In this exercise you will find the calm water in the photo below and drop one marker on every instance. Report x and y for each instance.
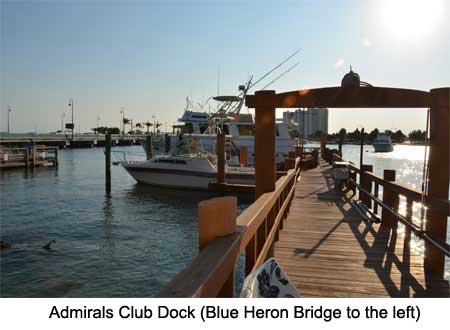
(127, 245)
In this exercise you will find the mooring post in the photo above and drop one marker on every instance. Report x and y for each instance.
(27, 157)
(167, 143)
(323, 145)
(366, 183)
(390, 199)
(439, 178)
(220, 150)
(217, 218)
(265, 145)
(108, 163)
(148, 145)
(56, 160)
(243, 156)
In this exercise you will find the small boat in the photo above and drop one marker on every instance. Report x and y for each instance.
(383, 143)
(185, 172)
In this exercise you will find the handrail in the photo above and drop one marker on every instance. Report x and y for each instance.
(208, 272)
(441, 246)
(409, 192)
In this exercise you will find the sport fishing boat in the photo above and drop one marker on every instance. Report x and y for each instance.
(383, 143)
(185, 172)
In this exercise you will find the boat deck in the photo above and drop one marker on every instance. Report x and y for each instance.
(327, 250)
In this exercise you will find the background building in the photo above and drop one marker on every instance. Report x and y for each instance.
(315, 119)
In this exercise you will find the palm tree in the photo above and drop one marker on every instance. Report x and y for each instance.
(148, 124)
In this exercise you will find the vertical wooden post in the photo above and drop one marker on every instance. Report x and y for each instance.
(289, 163)
(216, 218)
(389, 198)
(298, 151)
(439, 177)
(361, 152)
(243, 156)
(265, 146)
(366, 184)
(323, 145)
(56, 160)
(27, 157)
(167, 143)
(34, 157)
(108, 163)
(220, 150)
(148, 144)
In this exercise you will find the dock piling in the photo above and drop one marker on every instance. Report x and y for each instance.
(220, 150)
(148, 145)
(108, 163)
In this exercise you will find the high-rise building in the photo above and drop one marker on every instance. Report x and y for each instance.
(312, 119)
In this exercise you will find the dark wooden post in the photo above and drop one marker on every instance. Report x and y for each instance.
(148, 144)
(366, 184)
(323, 145)
(390, 199)
(265, 146)
(439, 177)
(220, 150)
(27, 157)
(108, 163)
(56, 160)
(243, 156)
(361, 152)
(167, 143)
(216, 218)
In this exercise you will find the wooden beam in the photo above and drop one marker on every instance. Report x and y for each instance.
(265, 147)
(439, 176)
(343, 97)
(220, 150)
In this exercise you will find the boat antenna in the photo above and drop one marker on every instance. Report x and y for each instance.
(273, 69)
(281, 75)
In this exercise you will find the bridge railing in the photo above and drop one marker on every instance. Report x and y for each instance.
(223, 237)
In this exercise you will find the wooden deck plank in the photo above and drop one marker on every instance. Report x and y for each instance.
(327, 250)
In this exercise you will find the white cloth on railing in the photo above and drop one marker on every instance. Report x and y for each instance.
(268, 281)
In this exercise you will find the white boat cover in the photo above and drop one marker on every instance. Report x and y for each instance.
(269, 281)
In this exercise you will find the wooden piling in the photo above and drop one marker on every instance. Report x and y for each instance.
(220, 150)
(439, 177)
(265, 146)
(366, 184)
(217, 218)
(148, 144)
(390, 199)
(108, 163)
(243, 156)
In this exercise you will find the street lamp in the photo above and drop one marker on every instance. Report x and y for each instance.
(63, 115)
(9, 110)
(72, 125)
(98, 118)
(122, 111)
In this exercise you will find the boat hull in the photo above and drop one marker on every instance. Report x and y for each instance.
(183, 179)
(384, 147)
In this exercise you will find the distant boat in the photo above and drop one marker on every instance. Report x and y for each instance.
(185, 172)
(383, 143)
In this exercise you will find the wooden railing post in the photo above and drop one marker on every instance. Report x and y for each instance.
(243, 156)
(220, 150)
(366, 184)
(216, 218)
(265, 146)
(390, 198)
(439, 177)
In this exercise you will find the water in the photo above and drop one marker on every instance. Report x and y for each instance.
(127, 245)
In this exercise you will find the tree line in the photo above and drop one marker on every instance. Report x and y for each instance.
(415, 136)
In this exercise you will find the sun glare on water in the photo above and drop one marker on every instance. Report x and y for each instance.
(411, 19)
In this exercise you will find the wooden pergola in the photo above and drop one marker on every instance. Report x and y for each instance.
(437, 100)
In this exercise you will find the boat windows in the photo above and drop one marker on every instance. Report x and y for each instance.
(246, 129)
(171, 161)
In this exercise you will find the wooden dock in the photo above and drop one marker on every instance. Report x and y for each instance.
(328, 250)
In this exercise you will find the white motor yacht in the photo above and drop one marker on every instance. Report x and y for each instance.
(383, 143)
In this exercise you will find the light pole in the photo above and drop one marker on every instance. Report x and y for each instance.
(122, 111)
(98, 118)
(62, 121)
(71, 106)
(9, 111)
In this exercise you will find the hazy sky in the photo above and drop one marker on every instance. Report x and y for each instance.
(149, 55)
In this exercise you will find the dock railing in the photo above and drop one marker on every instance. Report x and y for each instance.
(223, 237)
(29, 157)
(384, 194)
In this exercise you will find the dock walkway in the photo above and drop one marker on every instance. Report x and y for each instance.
(327, 250)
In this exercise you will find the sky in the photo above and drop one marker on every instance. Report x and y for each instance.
(147, 56)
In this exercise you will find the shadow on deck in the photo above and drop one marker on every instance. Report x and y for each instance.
(328, 250)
